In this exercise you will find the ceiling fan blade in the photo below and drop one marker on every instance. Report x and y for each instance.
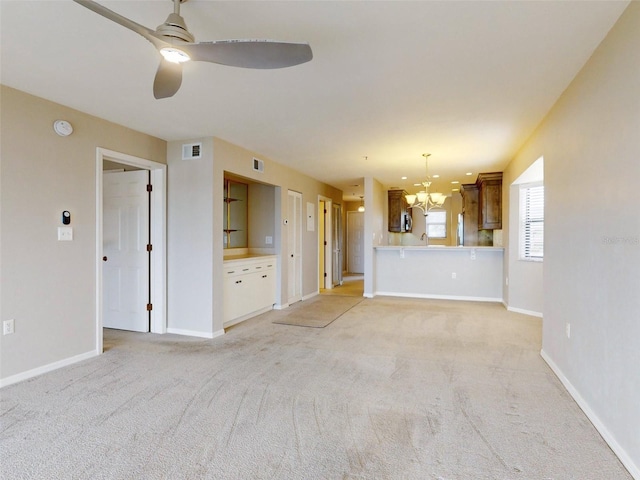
(124, 21)
(168, 79)
(261, 54)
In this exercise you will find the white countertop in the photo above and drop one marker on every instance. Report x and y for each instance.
(247, 256)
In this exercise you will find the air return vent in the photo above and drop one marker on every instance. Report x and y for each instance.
(191, 151)
(258, 165)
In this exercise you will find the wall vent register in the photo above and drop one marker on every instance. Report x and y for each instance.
(192, 151)
(258, 165)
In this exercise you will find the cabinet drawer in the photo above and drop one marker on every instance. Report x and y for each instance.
(245, 268)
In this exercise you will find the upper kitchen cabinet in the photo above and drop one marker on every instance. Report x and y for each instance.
(469, 194)
(489, 201)
(399, 215)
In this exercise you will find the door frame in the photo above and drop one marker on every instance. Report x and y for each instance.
(338, 248)
(296, 227)
(328, 226)
(158, 218)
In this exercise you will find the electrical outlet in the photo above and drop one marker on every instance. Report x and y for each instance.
(453, 275)
(8, 327)
(568, 330)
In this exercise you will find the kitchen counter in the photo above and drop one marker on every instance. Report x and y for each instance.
(435, 247)
(456, 273)
(246, 256)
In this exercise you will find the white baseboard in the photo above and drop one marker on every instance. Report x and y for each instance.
(311, 295)
(195, 333)
(235, 321)
(280, 306)
(438, 297)
(47, 368)
(626, 460)
(523, 311)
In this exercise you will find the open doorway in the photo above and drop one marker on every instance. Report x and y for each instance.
(152, 293)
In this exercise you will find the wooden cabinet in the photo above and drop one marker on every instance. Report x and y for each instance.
(482, 209)
(399, 214)
(489, 201)
(469, 194)
(249, 288)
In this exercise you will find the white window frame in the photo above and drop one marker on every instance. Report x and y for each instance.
(431, 223)
(531, 219)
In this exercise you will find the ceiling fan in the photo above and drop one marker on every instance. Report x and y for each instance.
(177, 45)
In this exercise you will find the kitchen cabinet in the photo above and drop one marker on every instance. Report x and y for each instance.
(489, 201)
(469, 194)
(249, 287)
(399, 214)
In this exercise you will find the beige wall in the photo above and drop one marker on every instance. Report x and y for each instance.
(591, 151)
(47, 286)
(375, 229)
(195, 226)
(190, 246)
(237, 160)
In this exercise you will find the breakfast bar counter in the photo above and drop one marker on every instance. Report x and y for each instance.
(457, 273)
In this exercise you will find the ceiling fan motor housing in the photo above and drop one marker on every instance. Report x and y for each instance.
(175, 27)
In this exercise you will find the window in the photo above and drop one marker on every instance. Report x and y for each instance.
(532, 222)
(437, 224)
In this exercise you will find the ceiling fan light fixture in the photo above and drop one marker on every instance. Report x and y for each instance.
(174, 55)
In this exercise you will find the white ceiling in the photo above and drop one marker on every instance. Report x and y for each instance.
(467, 82)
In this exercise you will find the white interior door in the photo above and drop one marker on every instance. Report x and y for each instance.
(336, 236)
(126, 260)
(294, 245)
(355, 242)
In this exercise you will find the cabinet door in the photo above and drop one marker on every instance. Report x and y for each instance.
(237, 290)
(397, 211)
(492, 206)
(470, 210)
(490, 201)
(265, 288)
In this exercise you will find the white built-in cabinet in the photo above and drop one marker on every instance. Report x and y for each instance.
(249, 287)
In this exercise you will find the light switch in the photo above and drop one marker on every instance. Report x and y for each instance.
(65, 233)
(268, 240)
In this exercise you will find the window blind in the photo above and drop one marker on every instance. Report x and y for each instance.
(532, 222)
(437, 224)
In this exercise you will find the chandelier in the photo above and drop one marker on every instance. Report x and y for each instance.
(424, 200)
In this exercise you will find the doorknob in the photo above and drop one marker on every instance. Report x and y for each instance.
(292, 255)
(104, 259)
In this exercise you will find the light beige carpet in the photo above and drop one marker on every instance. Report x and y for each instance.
(317, 312)
(393, 389)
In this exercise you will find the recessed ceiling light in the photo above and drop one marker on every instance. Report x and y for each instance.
(436, 176)
(417, 184)
(468, 173)
(404, 178)
(455, 181)
(455, 189)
